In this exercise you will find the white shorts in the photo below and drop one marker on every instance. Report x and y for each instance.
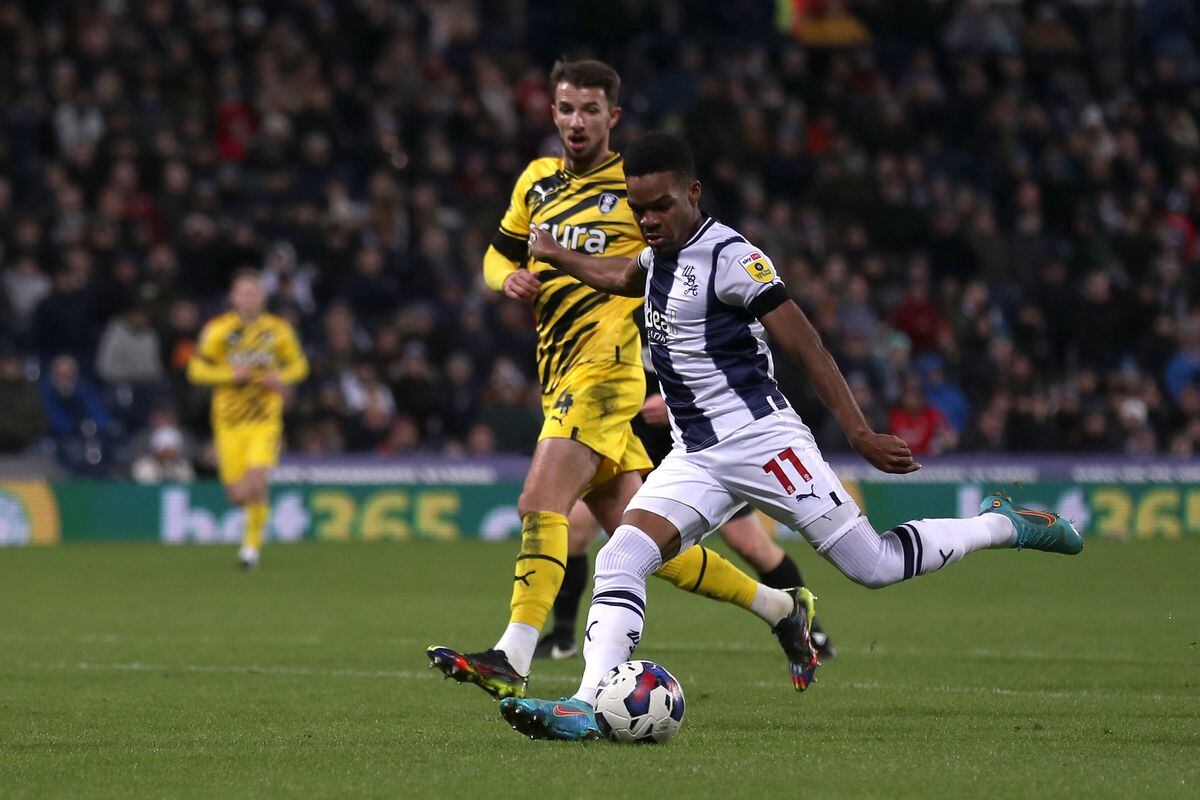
(773, 464)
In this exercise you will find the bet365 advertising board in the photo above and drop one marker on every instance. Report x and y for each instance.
(1105, 499)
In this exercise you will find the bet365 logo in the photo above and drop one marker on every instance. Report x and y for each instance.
(183, 520)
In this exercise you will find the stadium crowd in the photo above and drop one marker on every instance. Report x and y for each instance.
(989, 209)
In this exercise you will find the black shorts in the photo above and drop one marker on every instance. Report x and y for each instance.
(657, 440)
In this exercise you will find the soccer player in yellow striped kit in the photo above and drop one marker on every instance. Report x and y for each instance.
(250, 358)
(593, 384)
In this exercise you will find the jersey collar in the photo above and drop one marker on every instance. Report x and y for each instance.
(704, 226)
(615, 158)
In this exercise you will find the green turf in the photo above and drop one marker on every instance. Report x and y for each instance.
(151, 671)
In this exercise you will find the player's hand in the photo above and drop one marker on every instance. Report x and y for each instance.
(543, 246)
(272, 381)
(522, 285)
(886, 453)
(654, 410)
(242, 374)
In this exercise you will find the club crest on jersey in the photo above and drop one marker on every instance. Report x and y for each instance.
(608, 201)
(757, 267)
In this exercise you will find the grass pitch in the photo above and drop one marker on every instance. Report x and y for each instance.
(152, 671)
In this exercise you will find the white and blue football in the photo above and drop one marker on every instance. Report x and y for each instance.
(639, 701)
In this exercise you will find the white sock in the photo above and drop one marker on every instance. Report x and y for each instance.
(914, 548)
(927, 545)
(771, 604)
(518, 643)
(617, 614)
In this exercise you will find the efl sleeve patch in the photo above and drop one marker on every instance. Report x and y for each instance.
(758, 267)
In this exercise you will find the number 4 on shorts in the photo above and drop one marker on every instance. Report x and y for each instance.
(775, 468)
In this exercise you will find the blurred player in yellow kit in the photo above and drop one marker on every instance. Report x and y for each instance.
(250, 358)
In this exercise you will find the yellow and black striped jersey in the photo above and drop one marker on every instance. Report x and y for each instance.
(265, 344)
(588, 213)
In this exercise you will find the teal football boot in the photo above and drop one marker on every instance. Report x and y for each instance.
(566, 720)
(1036, 530)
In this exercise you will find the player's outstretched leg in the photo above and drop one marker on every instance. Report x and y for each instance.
(926, 545)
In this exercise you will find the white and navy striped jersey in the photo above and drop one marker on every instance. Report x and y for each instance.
(706, 343)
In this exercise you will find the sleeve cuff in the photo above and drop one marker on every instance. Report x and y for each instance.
(768, 301)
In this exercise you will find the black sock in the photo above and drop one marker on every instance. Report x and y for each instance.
(784, 576)
(566, 605)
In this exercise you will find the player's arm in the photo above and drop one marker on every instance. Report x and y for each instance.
(293, 363)
(504, 262)
(612, 274)
(791, 330)
(208, 365)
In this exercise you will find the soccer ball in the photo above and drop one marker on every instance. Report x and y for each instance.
(639, 701)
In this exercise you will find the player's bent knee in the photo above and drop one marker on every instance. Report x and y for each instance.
(863, 556)
(531, 501)
(872, 581)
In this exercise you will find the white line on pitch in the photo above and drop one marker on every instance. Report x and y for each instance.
(258, 669)
(668, 646)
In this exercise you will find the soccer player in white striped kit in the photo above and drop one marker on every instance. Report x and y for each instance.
(709, 297)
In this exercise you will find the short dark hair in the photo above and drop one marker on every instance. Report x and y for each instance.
(246, 273)
(657, 151)
(588, 74)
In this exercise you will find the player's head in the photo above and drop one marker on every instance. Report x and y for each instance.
(664, 195)
(247, 295)
(585, 107)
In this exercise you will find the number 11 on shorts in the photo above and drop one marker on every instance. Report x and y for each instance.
(775, 468)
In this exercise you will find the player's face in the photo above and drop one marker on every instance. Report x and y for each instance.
(666, 207)
(247, 297)
(584, 119)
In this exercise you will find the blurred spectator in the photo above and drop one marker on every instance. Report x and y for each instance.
(22, 420)
(129, 349)
(165, 462)
(66, 321)
(26, 286)
(827, 23)
(918, 316)
(508, 410)
(72, 405)
(80, 424)
(922, 426)
(1183, 369)
(978, 28)
(943, 395)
